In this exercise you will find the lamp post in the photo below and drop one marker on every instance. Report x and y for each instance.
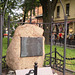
(65, 22)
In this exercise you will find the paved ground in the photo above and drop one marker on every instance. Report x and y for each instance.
(55, 71)
(40, 71)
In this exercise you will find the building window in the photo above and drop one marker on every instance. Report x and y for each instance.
(67, 9)
(38, 11)
(58, 11)
(67, 29)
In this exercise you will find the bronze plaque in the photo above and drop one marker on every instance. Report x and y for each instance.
(31, 46)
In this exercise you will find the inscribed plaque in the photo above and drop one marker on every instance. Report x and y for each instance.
(31, 46)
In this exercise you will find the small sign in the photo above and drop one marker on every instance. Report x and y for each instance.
(31, 46)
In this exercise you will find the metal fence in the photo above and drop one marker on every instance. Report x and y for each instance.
(51, 58)
(55, 59)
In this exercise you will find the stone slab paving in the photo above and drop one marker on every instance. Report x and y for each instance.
(54, 71)
(41, 71)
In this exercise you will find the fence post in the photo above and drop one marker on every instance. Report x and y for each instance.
(39, 25)
(8, 31)
(51, 43)
(55, 55)
(35, 69)
(30, 16)
(1, 24)
(65, 45)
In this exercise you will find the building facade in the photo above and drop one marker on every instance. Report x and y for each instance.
(70, 12)
(58, 16)
(36, 16)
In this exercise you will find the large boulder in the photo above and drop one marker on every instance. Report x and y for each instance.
(13, 59)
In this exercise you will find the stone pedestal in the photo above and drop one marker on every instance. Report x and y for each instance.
(13, 58)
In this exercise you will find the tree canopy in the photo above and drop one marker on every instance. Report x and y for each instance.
(48, 7)
(28, 5)
(48, 11)
(8, 6)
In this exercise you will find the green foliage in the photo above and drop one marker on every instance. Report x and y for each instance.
(16, 25)
(8, 6)
(30, 4)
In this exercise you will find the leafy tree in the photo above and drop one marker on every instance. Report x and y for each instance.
(8, 6)
(29, 5)
(47, 5)
(48, 11)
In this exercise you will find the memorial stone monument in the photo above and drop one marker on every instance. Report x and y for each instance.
(26, 48)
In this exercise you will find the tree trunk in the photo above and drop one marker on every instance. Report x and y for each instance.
(48, 12)
(24, 16)
(46, 5)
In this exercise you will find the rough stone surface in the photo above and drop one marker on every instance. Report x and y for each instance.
(13, 59)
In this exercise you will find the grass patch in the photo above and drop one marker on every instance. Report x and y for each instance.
(4, 46)
(70, 53)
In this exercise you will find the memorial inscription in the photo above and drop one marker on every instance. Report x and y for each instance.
(31, 46)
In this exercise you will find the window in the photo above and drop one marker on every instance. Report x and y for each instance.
(58, 11)
(67, 29)
(38, 11)
(67, 8)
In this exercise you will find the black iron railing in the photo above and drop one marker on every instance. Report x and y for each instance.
(57, 63)
(33, 71)
(4, 62)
